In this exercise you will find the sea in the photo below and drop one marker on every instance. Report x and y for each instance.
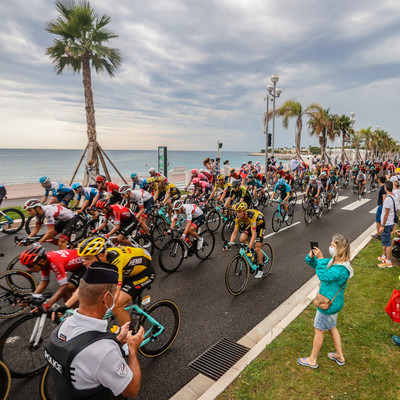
(18, 166)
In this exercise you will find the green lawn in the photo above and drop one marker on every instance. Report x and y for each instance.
(372, 360)
(15, 215)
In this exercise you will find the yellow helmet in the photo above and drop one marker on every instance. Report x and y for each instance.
(397, 170)
(242, 206)
(220, 177)
(91, 246)
(150, 180)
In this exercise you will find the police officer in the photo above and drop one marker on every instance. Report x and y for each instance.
(86, 362)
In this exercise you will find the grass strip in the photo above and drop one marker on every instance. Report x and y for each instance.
(15, 215)
(372, 360)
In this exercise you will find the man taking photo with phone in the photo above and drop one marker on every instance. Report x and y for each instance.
(86, 361)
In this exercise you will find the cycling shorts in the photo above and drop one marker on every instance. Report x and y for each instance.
(127, 227)
(134, 285)
(161, 196)
(65, 197)
(77, 275)
(115, 198)
(148, 204)
(198, 221)
(175, 195)
(65, 227)
(260, 229)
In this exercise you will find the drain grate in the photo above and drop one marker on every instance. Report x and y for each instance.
(215, 361)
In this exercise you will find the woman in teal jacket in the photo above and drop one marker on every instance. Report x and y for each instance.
(333, 274)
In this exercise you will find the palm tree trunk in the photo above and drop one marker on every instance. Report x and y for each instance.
(299, 126)
(342, 149)
(89, 107)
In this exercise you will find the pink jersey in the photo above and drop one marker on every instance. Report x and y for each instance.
(60, 262)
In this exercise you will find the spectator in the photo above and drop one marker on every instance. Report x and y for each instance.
(217, 166)
(389, 208)
(98, 367)
(3, 192)
(333, 274)
(226, 169)
(381, 198)
(91, 174)
(293, 163)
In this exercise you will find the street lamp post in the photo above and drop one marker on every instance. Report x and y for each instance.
(268, 99)
(274, 93)
(352, 120)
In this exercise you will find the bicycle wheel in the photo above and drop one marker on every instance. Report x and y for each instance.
(304, 203)
(5, 381)
(276, 221)
(328, 204)
(166, 313)
(171, 256)
(213, 221)
(268, 254)
(237, 275)
(94, 224)
(145, 242)
(158, 234)
(78, 230)
(359, 194)
(208, 245)
(22, 357)
(12, 282)
(355, 188)
(11, 220)
(308, 213)
(47, 387)
(227, 229)
(293, 198)
(290, 214)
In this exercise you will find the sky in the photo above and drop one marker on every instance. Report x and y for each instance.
(195, 72)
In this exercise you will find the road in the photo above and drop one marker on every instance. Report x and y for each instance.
(208, 312)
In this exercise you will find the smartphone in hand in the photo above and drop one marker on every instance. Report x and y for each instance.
(313, 244)
(135, 323)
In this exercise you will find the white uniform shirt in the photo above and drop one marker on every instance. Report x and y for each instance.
(388, 203)
(140, 196)
(192, 211)
(54, 212)
(101, 363)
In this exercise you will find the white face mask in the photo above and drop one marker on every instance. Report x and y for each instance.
(109, 309)
(332, 251)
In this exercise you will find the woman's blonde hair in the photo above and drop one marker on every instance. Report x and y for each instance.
(342, 248)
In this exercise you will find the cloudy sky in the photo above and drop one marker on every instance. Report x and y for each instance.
(195, 71)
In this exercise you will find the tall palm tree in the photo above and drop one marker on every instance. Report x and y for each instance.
(321, 124)
(80, 44)
(343, 125)
(367, 134)
(357, 139)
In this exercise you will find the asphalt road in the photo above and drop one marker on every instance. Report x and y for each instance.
(208, 311)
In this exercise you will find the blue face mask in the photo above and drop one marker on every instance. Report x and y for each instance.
(109, 309)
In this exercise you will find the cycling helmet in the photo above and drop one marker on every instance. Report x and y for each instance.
(124, 189)
(195, 181)
(150, 180)
(331, 172)
(232, 170)
(287, 172)
(221, 177)
(281, 182)
(236, 183)
(31, 254)
(201, 171)
(91, 246)
(133, 175)
(44, 179)
(100, 178)
(161, 179)
(242, 206)
(193, 171)
(152, 170)
(177, 205)
(76, 185)
(32, 203)
(397, 170)
(103, 203)
(313, 177)
(323, 173)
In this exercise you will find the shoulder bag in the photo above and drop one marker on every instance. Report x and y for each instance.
(323, 302)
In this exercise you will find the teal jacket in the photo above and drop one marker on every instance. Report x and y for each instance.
(331, 281)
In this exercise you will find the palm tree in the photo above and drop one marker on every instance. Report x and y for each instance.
(343, 124)
(367, 134)
(321, 124)
(357, 139)
(80, 45)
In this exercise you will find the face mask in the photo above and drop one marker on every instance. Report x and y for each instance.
(109, 309)
(332, 251)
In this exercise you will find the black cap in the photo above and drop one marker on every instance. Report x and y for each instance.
(100, 272)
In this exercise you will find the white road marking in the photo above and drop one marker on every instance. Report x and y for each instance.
(355, 204)
(283, 229)
(340, 198)
(373, 211)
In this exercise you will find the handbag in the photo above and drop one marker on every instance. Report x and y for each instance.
(393, 306)
(322, 301)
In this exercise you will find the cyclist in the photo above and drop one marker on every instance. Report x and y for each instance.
(194, 218)
(134, 265)
(143, 199)
(254, 185)
(252, 225)
(153, 173)
(314, 190)
(208, 175)
(166, 192)
(203, 187)
(361, 180)
(221, 184)
(60, 193)
(124, 221)
(108, 190)
(283, 190)
(59, 220)
(326, 184)
(196, 174)
(238, 192)
(334, 179)
(89, 193)
(60, 262)
(233, 175)
(288, 177)
(141, 182)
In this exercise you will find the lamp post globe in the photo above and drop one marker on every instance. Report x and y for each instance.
(274, 78)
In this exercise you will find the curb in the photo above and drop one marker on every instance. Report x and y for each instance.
(204, 388)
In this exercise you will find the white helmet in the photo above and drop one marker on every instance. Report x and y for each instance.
(177, 205)
(152, 170)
